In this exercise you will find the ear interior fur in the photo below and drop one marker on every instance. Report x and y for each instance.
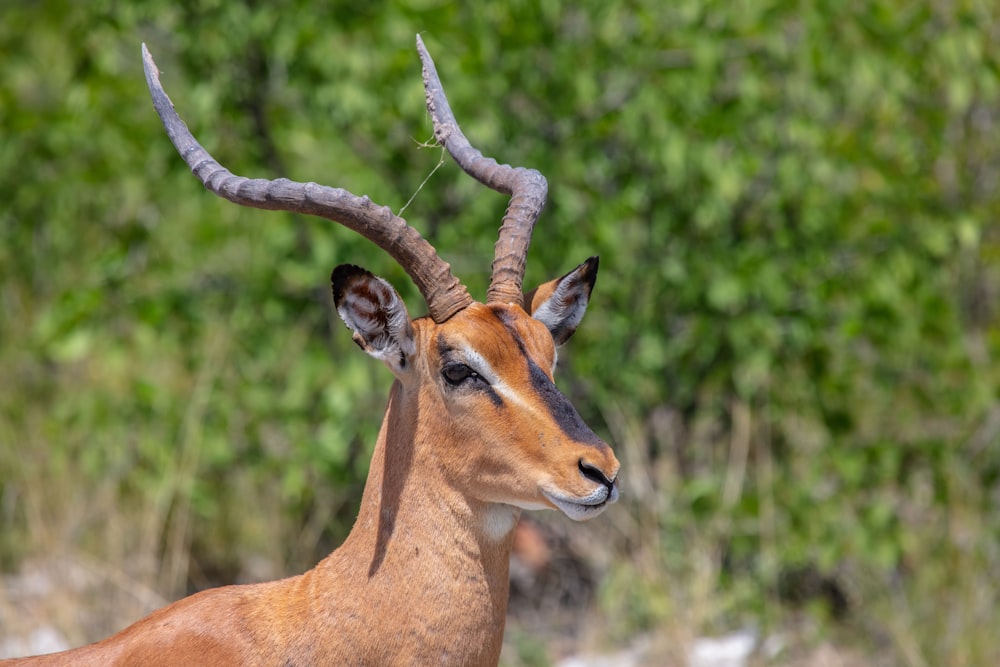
(376, 315)
(561, 303)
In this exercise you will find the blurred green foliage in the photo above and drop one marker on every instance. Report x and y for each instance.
(792, 343)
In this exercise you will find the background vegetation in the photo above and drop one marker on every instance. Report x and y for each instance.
(793, 342)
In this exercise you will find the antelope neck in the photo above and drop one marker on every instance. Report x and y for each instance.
(411, 520)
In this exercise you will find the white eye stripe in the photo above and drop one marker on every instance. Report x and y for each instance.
(481, 366)
(477, 363)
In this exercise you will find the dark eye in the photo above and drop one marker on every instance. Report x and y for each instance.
(456, 374)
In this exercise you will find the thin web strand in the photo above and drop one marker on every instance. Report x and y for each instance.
(426, 144)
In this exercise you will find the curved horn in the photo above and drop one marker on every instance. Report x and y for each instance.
(444, 294)
(527, 188)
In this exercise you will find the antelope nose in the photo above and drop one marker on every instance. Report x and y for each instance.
(595, 474)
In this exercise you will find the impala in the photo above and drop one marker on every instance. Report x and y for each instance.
(474, 432)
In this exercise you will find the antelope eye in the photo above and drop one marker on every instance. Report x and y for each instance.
(456, 374)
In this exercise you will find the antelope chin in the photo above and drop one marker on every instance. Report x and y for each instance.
(587, 507)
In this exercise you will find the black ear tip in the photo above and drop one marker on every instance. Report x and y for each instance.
(589, 269)
(341, 278)
(345, 271)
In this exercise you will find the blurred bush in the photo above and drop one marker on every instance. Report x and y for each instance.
(792, 342)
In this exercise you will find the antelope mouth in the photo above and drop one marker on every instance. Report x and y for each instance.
(586, 507)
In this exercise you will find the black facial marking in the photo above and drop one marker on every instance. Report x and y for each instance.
(507, 319)
(562, 411)
(494, 396)
(442, 346)
(508, 323)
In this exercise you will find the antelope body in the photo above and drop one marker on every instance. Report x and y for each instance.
(474, 432)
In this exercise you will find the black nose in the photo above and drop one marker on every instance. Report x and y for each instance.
(594, 474)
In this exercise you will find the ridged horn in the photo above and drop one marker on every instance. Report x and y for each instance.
(527, 189)
(444, 294)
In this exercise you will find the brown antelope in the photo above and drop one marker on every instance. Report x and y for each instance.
(474, 432)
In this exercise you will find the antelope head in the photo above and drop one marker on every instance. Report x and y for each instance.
(474, 390)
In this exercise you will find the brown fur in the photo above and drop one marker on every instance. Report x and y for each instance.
(423, 576)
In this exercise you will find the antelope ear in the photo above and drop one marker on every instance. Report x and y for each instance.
(560, 304)
(372, 309)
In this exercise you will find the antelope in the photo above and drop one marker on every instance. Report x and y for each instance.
(474, 432)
